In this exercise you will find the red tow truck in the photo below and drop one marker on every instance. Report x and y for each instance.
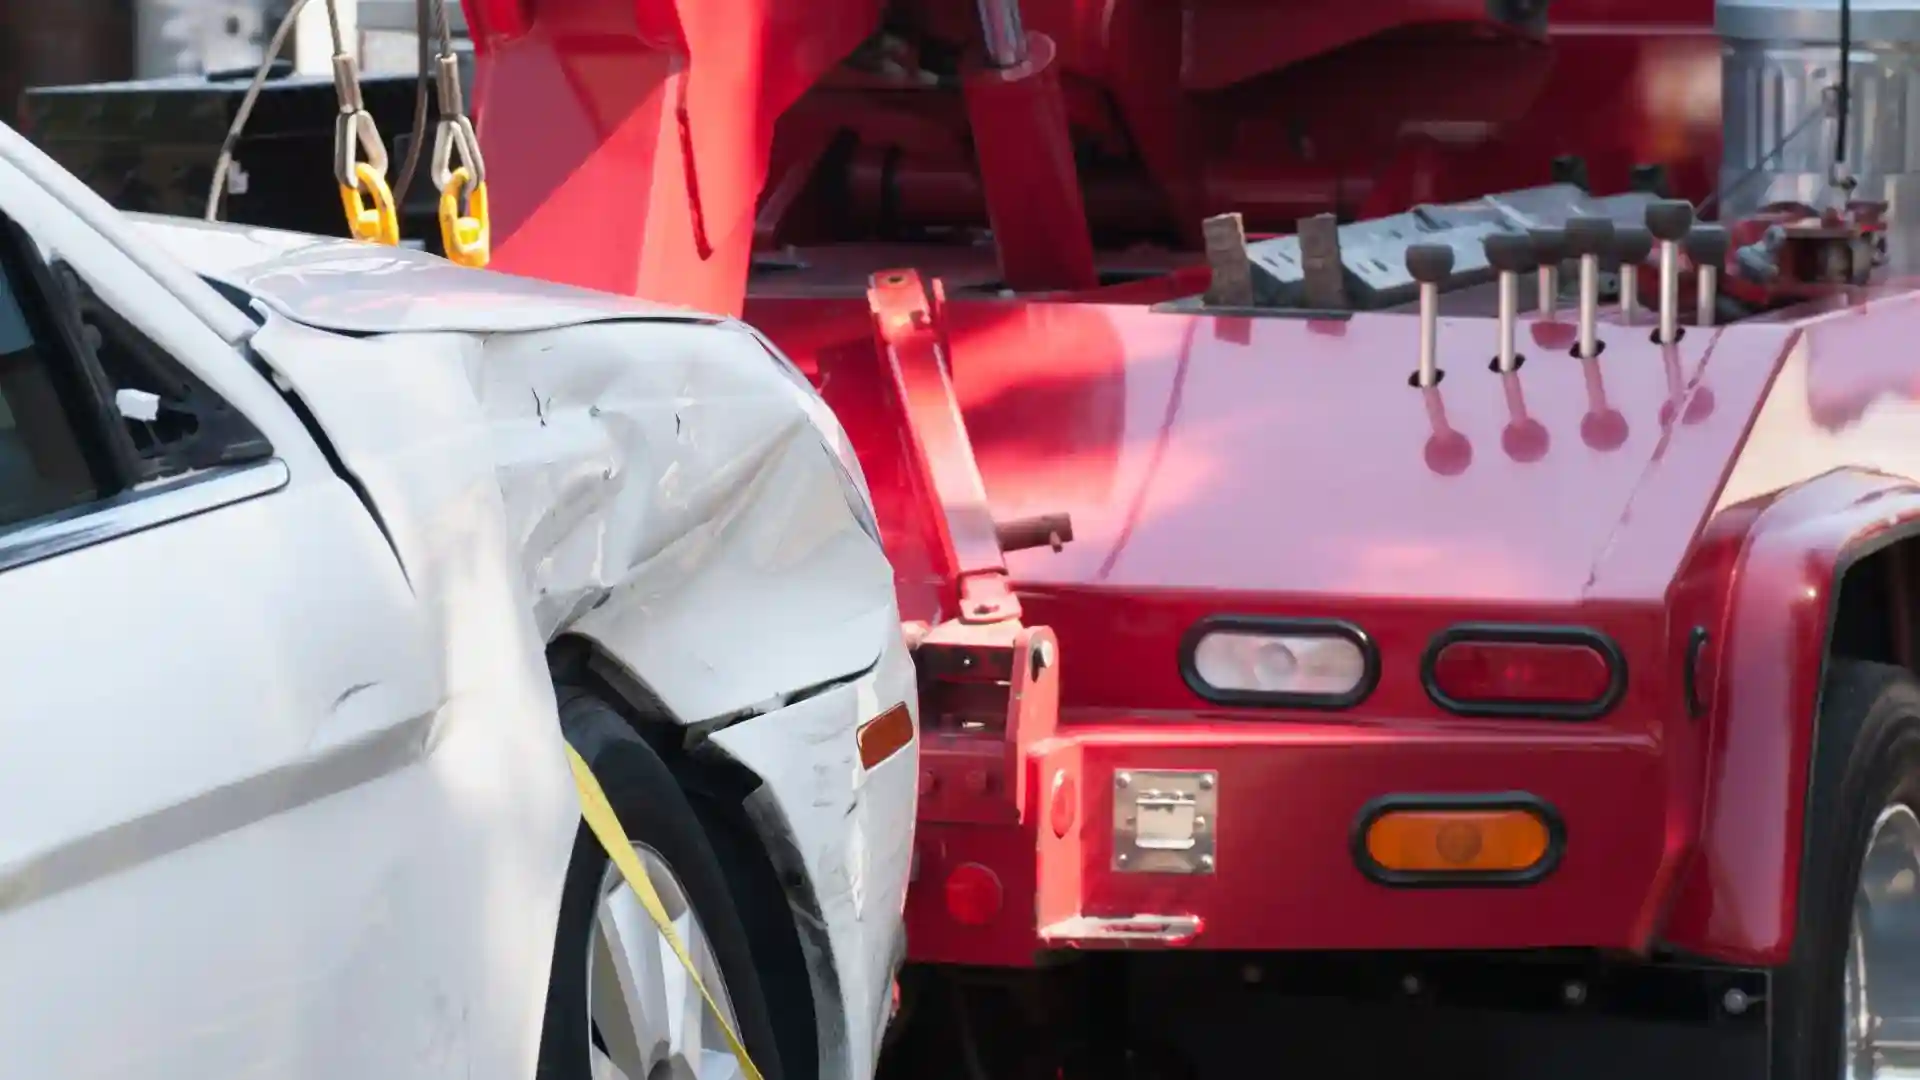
(1398, 589)
(1330, 667)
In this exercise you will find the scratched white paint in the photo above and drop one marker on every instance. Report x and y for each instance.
(856, 838)
(282, 779)
(669, 488)
(274, 808)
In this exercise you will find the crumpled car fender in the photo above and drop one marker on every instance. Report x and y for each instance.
(672, 492)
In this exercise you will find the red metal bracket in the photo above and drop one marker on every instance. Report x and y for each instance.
(989, 684)
(911, 334)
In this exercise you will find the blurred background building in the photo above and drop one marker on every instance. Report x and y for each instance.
(80, 41)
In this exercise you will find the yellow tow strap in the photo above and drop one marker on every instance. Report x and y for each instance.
(605, 824)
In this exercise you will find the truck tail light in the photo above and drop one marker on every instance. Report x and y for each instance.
(1458, 840)
(1302, 663)
(1556, 673)
(973, 894)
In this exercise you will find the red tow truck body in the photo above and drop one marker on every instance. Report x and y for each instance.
(978, 235)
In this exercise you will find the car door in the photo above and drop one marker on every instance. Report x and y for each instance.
(225, 846)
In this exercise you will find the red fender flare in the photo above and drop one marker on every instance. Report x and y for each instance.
(1737, 898)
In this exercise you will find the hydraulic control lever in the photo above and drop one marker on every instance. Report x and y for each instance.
(1669, 221)
(1631, 246)
(1550, 248)
(1510, 255)
(1429, 265)
(1707, 247)
(1587, 239)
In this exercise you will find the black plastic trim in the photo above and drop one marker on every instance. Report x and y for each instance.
(1696, 647)
(1277, 627)
(1506, 800)
(1530, 635)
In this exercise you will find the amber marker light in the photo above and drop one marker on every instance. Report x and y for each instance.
(1508, 839)
(885, 735)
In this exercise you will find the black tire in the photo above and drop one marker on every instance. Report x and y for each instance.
(654, 811)
(1866, 759)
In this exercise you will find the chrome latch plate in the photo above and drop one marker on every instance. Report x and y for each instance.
(1164, 821)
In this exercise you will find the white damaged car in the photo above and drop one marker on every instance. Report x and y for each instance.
(309, 554)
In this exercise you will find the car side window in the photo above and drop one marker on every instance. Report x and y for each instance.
(91, 409)
(44, 464)
(174, 421)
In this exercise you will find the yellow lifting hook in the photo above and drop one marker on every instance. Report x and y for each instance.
(354, 133)
(465, 237)
(379, 223)
(468, 237)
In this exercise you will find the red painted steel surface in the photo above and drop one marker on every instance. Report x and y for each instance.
(633, 139)
(1832, 468)
(1271, 466)
(1024, 150)
(1294, 455)
(629, 138)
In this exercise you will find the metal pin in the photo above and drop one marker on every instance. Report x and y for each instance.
(1669, 293)
(1509, 314)
(1429, 332)
(1631, 246)
(1510, 255)
(1001, 33)
(1707, 247)
(1429, 264)
(1669, 220)
(1587, 237)
(1549, 247)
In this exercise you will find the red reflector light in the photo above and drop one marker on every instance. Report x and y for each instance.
(1552, 673)
(973, 894)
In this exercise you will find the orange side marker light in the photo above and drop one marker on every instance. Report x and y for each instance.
(885, 735)
(1413, 844)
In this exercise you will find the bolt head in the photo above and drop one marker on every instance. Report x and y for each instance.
(1122, 779)
(1206, 782)
(1574, 993)
(1410, 984)
(1206, 862)
(1735, 1001)
(1122, 859)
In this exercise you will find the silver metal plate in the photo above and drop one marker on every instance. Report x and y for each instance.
(1164, 822)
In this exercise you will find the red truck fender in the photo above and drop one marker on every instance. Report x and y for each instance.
(1737, 897)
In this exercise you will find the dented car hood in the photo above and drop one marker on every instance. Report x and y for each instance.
(357, 288)
(680, 494)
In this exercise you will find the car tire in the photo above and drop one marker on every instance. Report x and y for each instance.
(1862, 836)
(657, 817)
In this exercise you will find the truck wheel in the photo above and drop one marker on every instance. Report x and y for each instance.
(1847, 1004)
(619, 1004)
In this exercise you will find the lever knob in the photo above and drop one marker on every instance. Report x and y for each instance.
(1510, 253)
(1632, 244)
(1669, 219)
(1707, 245)
(1589, 235)
(1430, 264)
(1549, 245)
